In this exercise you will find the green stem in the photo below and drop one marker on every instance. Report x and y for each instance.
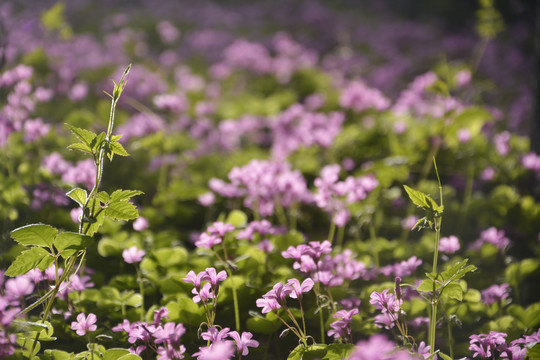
(235, 301)
(340, 236)
(331, 232)
(450, 339)
(141, 290)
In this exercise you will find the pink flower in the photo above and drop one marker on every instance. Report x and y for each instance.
(222, 350)
(242, 342)
(207, 241)
(449, 245)
(84, 324)
(206, 199)
(203, 294)
(140, 224)
(19, 286)
(195, 279)
(133, 255)
(268, 304)
(298, 289)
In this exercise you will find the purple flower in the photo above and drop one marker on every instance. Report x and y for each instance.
(220, 229)
(195, 279)
(298, 289)
(169, 333)
(385, 302)
(214, 277)
(167, 352)
(222, 350)
(203, 294)
(449, 245)
(18, 287)
(268, 304)
(214, 335)
(377, 347)
(243, 342)
(133, 255)
(495, 293)
(206, 199)
(207, 241)
(492, 236)
(84, 324)
(140, 224)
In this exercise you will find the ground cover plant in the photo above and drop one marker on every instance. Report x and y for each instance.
(228, 181)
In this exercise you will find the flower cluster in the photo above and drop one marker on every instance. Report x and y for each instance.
(359, 97)
(298, 127)
(208, 290)
(222, 344)
(84, 324)
(214, 235)
(494, 237)
(342, 328)
(495, 293)
(161, 338)
(493, 345)
(333, 195)
(390, 307)
(83, 172)
(264, 185)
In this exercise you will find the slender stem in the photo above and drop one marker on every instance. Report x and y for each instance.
(141, 290)
(235, 301)
(450, 339)
(340, 236)
(303, 317)
(332, 231)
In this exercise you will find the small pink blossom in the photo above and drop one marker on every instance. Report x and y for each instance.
(133, 255)
(84, 324)
(140, 224)
(449, 245)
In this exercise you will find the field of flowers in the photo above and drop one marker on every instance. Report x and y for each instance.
(268, 180)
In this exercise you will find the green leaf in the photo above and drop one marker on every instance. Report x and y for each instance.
(78, 195)
(311, 352)
(262, 326)
(444, 356)
(27, 261)
(115, 354)
(130, 357)
(35, 234)
(122, 210)
(20, 326)
(338, 351)
(45, 334)
(57, 355)
(85, 136)
(27, 345)
(68, 243)
(99, 218)
(80, 146)
(454, 291)
(45, 263)
(103, 197)
(425, 286)
(123, 195)
(98, 142)
(422, 200)
(118, 149)
(457, 271)
(237, 218)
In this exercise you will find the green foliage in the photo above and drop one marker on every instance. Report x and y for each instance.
(29, 260)
(35, 234)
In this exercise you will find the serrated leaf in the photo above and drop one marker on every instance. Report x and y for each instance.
(78, 195)
(122, 210)
(98, 220)
(117, 148)
(80, 146)
(35, 234)
(425, 286)
(454, 291)
(68, 243)
(123, 195)
(85, 136)
(103, 197)
(26, 261)
(457, 271)
(98, 142)
(45, 263)
(422, 200)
